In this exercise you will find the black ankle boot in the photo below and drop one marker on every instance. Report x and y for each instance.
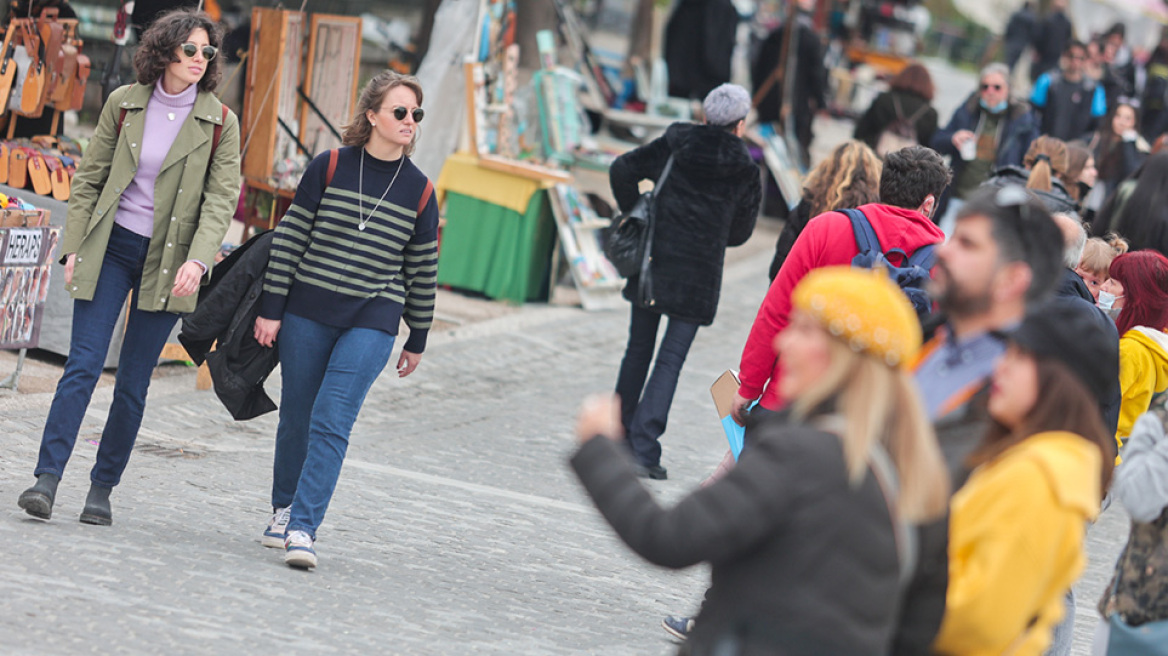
(97, 506)
(38, 499)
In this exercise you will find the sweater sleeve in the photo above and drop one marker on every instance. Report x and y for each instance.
(1141, 484)
(715, 523)
(420, 270)
(292, 238)
(759, 361)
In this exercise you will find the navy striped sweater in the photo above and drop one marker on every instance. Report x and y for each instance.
(323, 268)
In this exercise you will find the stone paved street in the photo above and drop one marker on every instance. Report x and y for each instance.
(456, 527)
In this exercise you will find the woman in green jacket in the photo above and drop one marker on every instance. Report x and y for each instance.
(146, 216)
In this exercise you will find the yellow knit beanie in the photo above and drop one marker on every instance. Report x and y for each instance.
(864, 309)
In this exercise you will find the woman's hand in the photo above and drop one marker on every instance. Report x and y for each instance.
(407, 363)
(70, 260)
(186, 281)
(600, 414)
(266, 331)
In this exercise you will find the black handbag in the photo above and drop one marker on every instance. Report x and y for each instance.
(630, 240)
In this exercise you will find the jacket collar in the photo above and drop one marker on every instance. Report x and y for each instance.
(207, 106)
(1013, 110)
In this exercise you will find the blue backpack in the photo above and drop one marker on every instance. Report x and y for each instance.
(912, 276)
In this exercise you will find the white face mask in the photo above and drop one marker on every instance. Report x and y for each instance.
(1107, 300)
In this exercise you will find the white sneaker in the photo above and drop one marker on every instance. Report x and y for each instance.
(277, 528)
(298, 550)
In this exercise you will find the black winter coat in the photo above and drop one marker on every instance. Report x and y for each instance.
(882, 113)
(803, 562)
(226, 312)
(709, 202)
(699, 44)
(1055, 200)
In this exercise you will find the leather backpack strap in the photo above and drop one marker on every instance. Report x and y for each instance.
(217, 134)
(332, 167)
(426, 193)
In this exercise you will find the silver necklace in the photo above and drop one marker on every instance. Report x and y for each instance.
(361, 218)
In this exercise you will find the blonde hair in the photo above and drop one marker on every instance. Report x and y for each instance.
(358, 131)
(1046, 158)
(1099, 252)
(880, 405)
(848, 178)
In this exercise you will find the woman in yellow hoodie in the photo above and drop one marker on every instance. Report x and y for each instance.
(1016, 528)
(1139, 283)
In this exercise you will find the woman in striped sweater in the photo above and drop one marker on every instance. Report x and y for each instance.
(355, 254)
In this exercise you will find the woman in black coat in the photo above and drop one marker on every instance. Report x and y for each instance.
(808, 534)
(910, 92)
(709, 201)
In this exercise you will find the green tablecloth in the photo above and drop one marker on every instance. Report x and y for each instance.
(497, 251)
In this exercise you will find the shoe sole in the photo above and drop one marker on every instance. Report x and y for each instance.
(300, 559)
(36, 504)
(273, 541)
(96, 520)
(673, 632)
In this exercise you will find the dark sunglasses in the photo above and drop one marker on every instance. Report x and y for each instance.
(190, 49)
(995, 87)
(400, 113)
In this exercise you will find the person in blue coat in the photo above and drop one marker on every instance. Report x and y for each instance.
(986, 132)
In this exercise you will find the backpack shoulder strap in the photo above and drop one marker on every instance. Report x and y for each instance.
(923, 257)
(866, 239)
(121, 119)
(332, 166)
(916, 116)
(217, 134)
(426, 193)
(896, 107)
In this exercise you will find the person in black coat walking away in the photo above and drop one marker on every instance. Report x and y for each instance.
(699, 44)
(1053, 35)
(908, 100)
(1020, 33)
(809, 86)
(709, 201)
(806, 534)
(1046, 161)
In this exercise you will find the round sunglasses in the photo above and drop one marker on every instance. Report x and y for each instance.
(190, 49)
(400, 113)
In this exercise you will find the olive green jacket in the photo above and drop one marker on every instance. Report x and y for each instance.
(193, 202)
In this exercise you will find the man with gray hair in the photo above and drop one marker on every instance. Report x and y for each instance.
(1074, 241)
(987, 131)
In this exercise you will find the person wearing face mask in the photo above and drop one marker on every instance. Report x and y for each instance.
(1095, 265)
(1138, 288)
(986, 132)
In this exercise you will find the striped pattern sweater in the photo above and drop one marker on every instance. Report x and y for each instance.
(323, 268)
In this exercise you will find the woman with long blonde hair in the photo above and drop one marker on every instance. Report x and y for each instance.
(847, 179)
(808, 535)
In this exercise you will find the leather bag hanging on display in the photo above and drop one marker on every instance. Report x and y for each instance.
(628, 242)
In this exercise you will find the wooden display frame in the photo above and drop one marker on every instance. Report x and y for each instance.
(329, 80)
(270, 94)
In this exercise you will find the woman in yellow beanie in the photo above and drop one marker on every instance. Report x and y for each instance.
(808, 536)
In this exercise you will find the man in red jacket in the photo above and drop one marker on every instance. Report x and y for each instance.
(910, 185)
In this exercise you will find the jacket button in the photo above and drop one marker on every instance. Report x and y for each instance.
(165, 271)
(100, 212)
(180, 191)
(172, 218)
(118, 189)
(133, 145)
(170, 244)
(74, 287)
(79, 258)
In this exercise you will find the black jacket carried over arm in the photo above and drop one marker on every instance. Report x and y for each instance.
(709, 202)
(803, 562)
(226, 312)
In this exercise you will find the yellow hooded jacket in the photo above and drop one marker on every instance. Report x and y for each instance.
(1016, 532)
(1143, 373)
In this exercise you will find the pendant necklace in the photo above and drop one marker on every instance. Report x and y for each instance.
(170, 116)
(361, 218)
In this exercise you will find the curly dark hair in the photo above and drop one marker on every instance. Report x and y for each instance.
(160, 43)
(911, 175)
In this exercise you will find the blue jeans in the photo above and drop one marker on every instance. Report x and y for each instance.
(93, 327)
(326, 373)
(645, 407)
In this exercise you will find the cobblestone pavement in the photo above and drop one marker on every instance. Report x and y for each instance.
(456, 526)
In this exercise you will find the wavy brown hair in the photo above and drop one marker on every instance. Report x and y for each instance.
(160, 43)
(1077, 156)
(1046, 158)
(358, 131)
(849, 177)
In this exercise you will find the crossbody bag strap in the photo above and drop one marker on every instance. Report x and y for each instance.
(643, 283)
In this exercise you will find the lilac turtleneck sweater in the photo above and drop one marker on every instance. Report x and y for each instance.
(165, 115)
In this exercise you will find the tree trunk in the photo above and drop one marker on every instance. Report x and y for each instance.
(531, 17)
(424, 33)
